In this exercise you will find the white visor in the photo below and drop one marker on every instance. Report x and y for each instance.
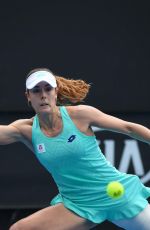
(39, 76)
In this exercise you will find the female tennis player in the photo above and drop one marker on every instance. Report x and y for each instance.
(61, 137)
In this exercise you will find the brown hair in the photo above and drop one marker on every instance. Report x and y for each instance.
(70, 91)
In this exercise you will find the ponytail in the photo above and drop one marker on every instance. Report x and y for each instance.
(71, 91)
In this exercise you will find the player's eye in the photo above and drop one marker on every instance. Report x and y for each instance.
(48, 88)
(35, 90)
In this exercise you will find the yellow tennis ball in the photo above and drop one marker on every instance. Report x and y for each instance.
(115, 190)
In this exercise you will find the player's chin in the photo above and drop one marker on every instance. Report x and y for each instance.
(45, 110)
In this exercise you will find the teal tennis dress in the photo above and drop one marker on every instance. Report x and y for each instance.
(82, 173)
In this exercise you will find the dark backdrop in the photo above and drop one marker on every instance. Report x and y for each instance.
(105, 43)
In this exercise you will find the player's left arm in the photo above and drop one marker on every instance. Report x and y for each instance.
(102, 120)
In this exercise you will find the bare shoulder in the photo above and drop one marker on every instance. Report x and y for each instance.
(89, 114)
(22, 122)
(24, 126)
(81, 111)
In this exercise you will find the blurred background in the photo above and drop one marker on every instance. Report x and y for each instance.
(105, 43)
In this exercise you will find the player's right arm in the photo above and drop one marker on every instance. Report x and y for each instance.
(17, 131)
(9, 134)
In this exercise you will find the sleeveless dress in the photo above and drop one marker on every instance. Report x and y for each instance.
(82, 173)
